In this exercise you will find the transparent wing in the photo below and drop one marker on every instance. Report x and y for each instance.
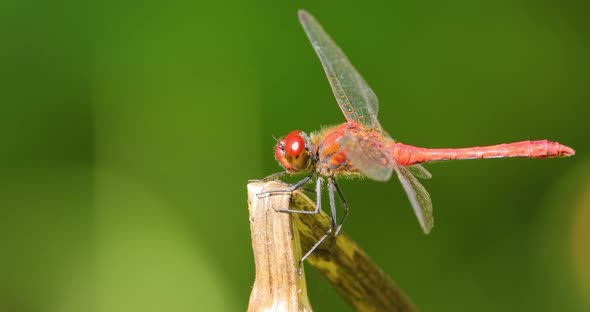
(354, 96)
(367, 154)
(419, 197)
(419, 171)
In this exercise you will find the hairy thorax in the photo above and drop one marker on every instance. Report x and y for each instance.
(331, 158)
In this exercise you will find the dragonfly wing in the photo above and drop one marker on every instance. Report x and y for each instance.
(356, 99)
(369, 155)
(418, 196)
(419, 171)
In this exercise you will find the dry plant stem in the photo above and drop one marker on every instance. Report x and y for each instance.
(350, 271)
(278, 286)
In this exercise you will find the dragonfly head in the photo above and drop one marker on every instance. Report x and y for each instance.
(292, 151)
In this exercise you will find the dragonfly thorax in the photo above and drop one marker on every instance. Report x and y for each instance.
(292, 152)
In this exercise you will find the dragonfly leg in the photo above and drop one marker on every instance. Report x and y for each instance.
(318, 190)
(331, 184)
(301, 183)
(344, 206)
(290, 190)
(314, 247)
(318, 208)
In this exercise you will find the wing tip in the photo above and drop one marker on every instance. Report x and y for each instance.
(303, 15)
(426, 223)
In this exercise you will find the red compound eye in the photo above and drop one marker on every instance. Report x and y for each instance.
(294, 143)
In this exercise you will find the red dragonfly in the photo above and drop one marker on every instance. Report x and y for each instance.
(360, 147)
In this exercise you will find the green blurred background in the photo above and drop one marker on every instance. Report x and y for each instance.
(129, 130)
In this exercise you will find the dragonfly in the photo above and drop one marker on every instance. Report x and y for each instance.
(360, 146)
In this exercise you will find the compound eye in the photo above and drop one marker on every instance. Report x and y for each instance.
(294, 144)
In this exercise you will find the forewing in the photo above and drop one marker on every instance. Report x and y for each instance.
(419, 171)
(356, 99)
(368, 155)
(419, 197)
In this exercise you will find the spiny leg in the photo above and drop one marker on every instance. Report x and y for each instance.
(318, 190)
(332, 201)
(291, 189)
(332, 220)
(344, 206)
(318, 208)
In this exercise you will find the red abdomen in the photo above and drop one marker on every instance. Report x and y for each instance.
(410, 155)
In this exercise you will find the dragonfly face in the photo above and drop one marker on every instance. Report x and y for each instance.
(293, 152)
